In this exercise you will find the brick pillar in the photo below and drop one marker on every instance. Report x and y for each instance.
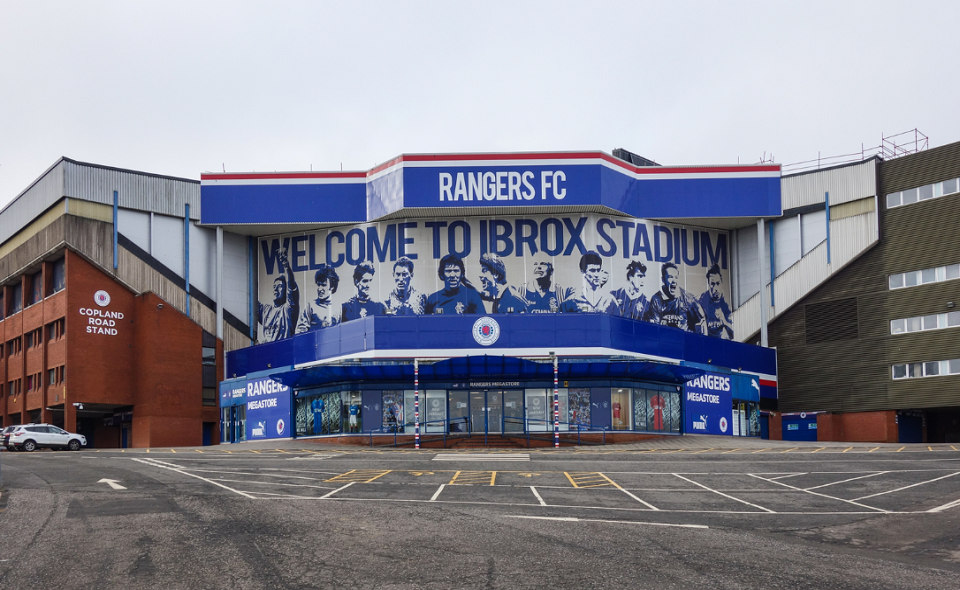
(24, 414)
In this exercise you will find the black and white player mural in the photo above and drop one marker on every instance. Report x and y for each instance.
(646, 271)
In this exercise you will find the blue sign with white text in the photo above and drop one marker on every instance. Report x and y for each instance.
(268, 409)
(707, 404)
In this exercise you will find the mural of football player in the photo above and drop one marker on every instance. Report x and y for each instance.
(360, 305)
(543, 294)
(321, 313)
(631, 300)
(279, 318)
(458, 295)
(591, 298)
(404, 299)
(715, 308)
(674, 306)
(493, 284)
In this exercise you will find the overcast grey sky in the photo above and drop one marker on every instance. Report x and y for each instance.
(180, 88)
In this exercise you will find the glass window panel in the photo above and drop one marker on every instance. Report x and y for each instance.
(953, 319)
(893, 200)
(392, 411)
(938, 189)
(562, 397)
(910, 196)
(931, 368)
(953, 271)
(930, 322)
(898, 326)
(352, 406)
(949, 186)
(408, 411)
(914, 324)
(536, 402)
(941, 273)
(928, 275)
(910, 279)
(915, 370)
(621, 408)
(954, 366)
(640, 410)
(578, 401)
(926, 192)
(896, 281)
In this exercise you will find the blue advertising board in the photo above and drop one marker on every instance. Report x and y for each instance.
(707, 403)
(268, 409)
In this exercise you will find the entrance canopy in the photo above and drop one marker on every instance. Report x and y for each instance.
(478, 368)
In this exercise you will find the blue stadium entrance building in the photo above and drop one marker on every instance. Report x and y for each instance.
(546, 296)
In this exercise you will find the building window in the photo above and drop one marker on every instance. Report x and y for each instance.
(35, 295)
(56, 329)
(16, 299)
(209, 396)
(13, 387)
(922, 277)
(928, 191)
(926, 369)
(926, 322)
(59, 276)
(3, 309)
(52, 374)
(14, 347)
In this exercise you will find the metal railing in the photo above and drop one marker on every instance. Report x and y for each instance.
(448, 431)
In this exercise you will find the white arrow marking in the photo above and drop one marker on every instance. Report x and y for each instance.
(112, 483)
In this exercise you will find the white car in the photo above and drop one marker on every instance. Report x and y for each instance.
(30, 437)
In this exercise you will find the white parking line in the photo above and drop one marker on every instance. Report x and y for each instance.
(724, 495)
(945, 506)
(843, 481)
(482, 457)
(160, 464)
(437, 493)
(571, 519)
(907, 487)
(537, 494)
(854, 502)
(336, 490)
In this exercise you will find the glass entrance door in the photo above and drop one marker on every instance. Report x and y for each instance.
(486, 411)
(478, 413)
(513, 411)
(459, 409)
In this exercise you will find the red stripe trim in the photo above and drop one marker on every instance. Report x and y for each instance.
(281, 175)
(768, 383)
(501, 157)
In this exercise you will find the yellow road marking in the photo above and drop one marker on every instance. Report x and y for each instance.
(818, 450)
(360, 475)
(873, 449)
(930, 448)
(953, 447)
(589, 479)
(730, 451)
(172, 451)
(703, 451)
(474, 478)
(900, 449)
(848, 449)
(198, 450)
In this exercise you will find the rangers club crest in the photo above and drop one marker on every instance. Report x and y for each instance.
(486, 330)
(102, 298)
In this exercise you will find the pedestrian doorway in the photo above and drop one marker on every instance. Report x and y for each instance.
(496, 411)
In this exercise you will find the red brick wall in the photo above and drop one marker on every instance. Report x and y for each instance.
(775, 423)
(858, 427)
(100, 367)
(169, 376)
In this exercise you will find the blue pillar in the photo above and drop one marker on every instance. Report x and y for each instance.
(251, 265)
(773, 263)
(116, 207)
(186, 252)
(826, 200)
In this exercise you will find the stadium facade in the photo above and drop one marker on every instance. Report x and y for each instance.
(557, 295)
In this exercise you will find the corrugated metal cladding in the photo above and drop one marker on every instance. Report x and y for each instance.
(844, 183)
(855, 374)
(136, 190)
(37, 198)
(831, 321)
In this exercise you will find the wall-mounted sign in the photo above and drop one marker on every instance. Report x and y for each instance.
(101, 321)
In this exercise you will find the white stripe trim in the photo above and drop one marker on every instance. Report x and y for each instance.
(280, 181)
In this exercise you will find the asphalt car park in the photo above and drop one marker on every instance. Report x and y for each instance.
(265, 515)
